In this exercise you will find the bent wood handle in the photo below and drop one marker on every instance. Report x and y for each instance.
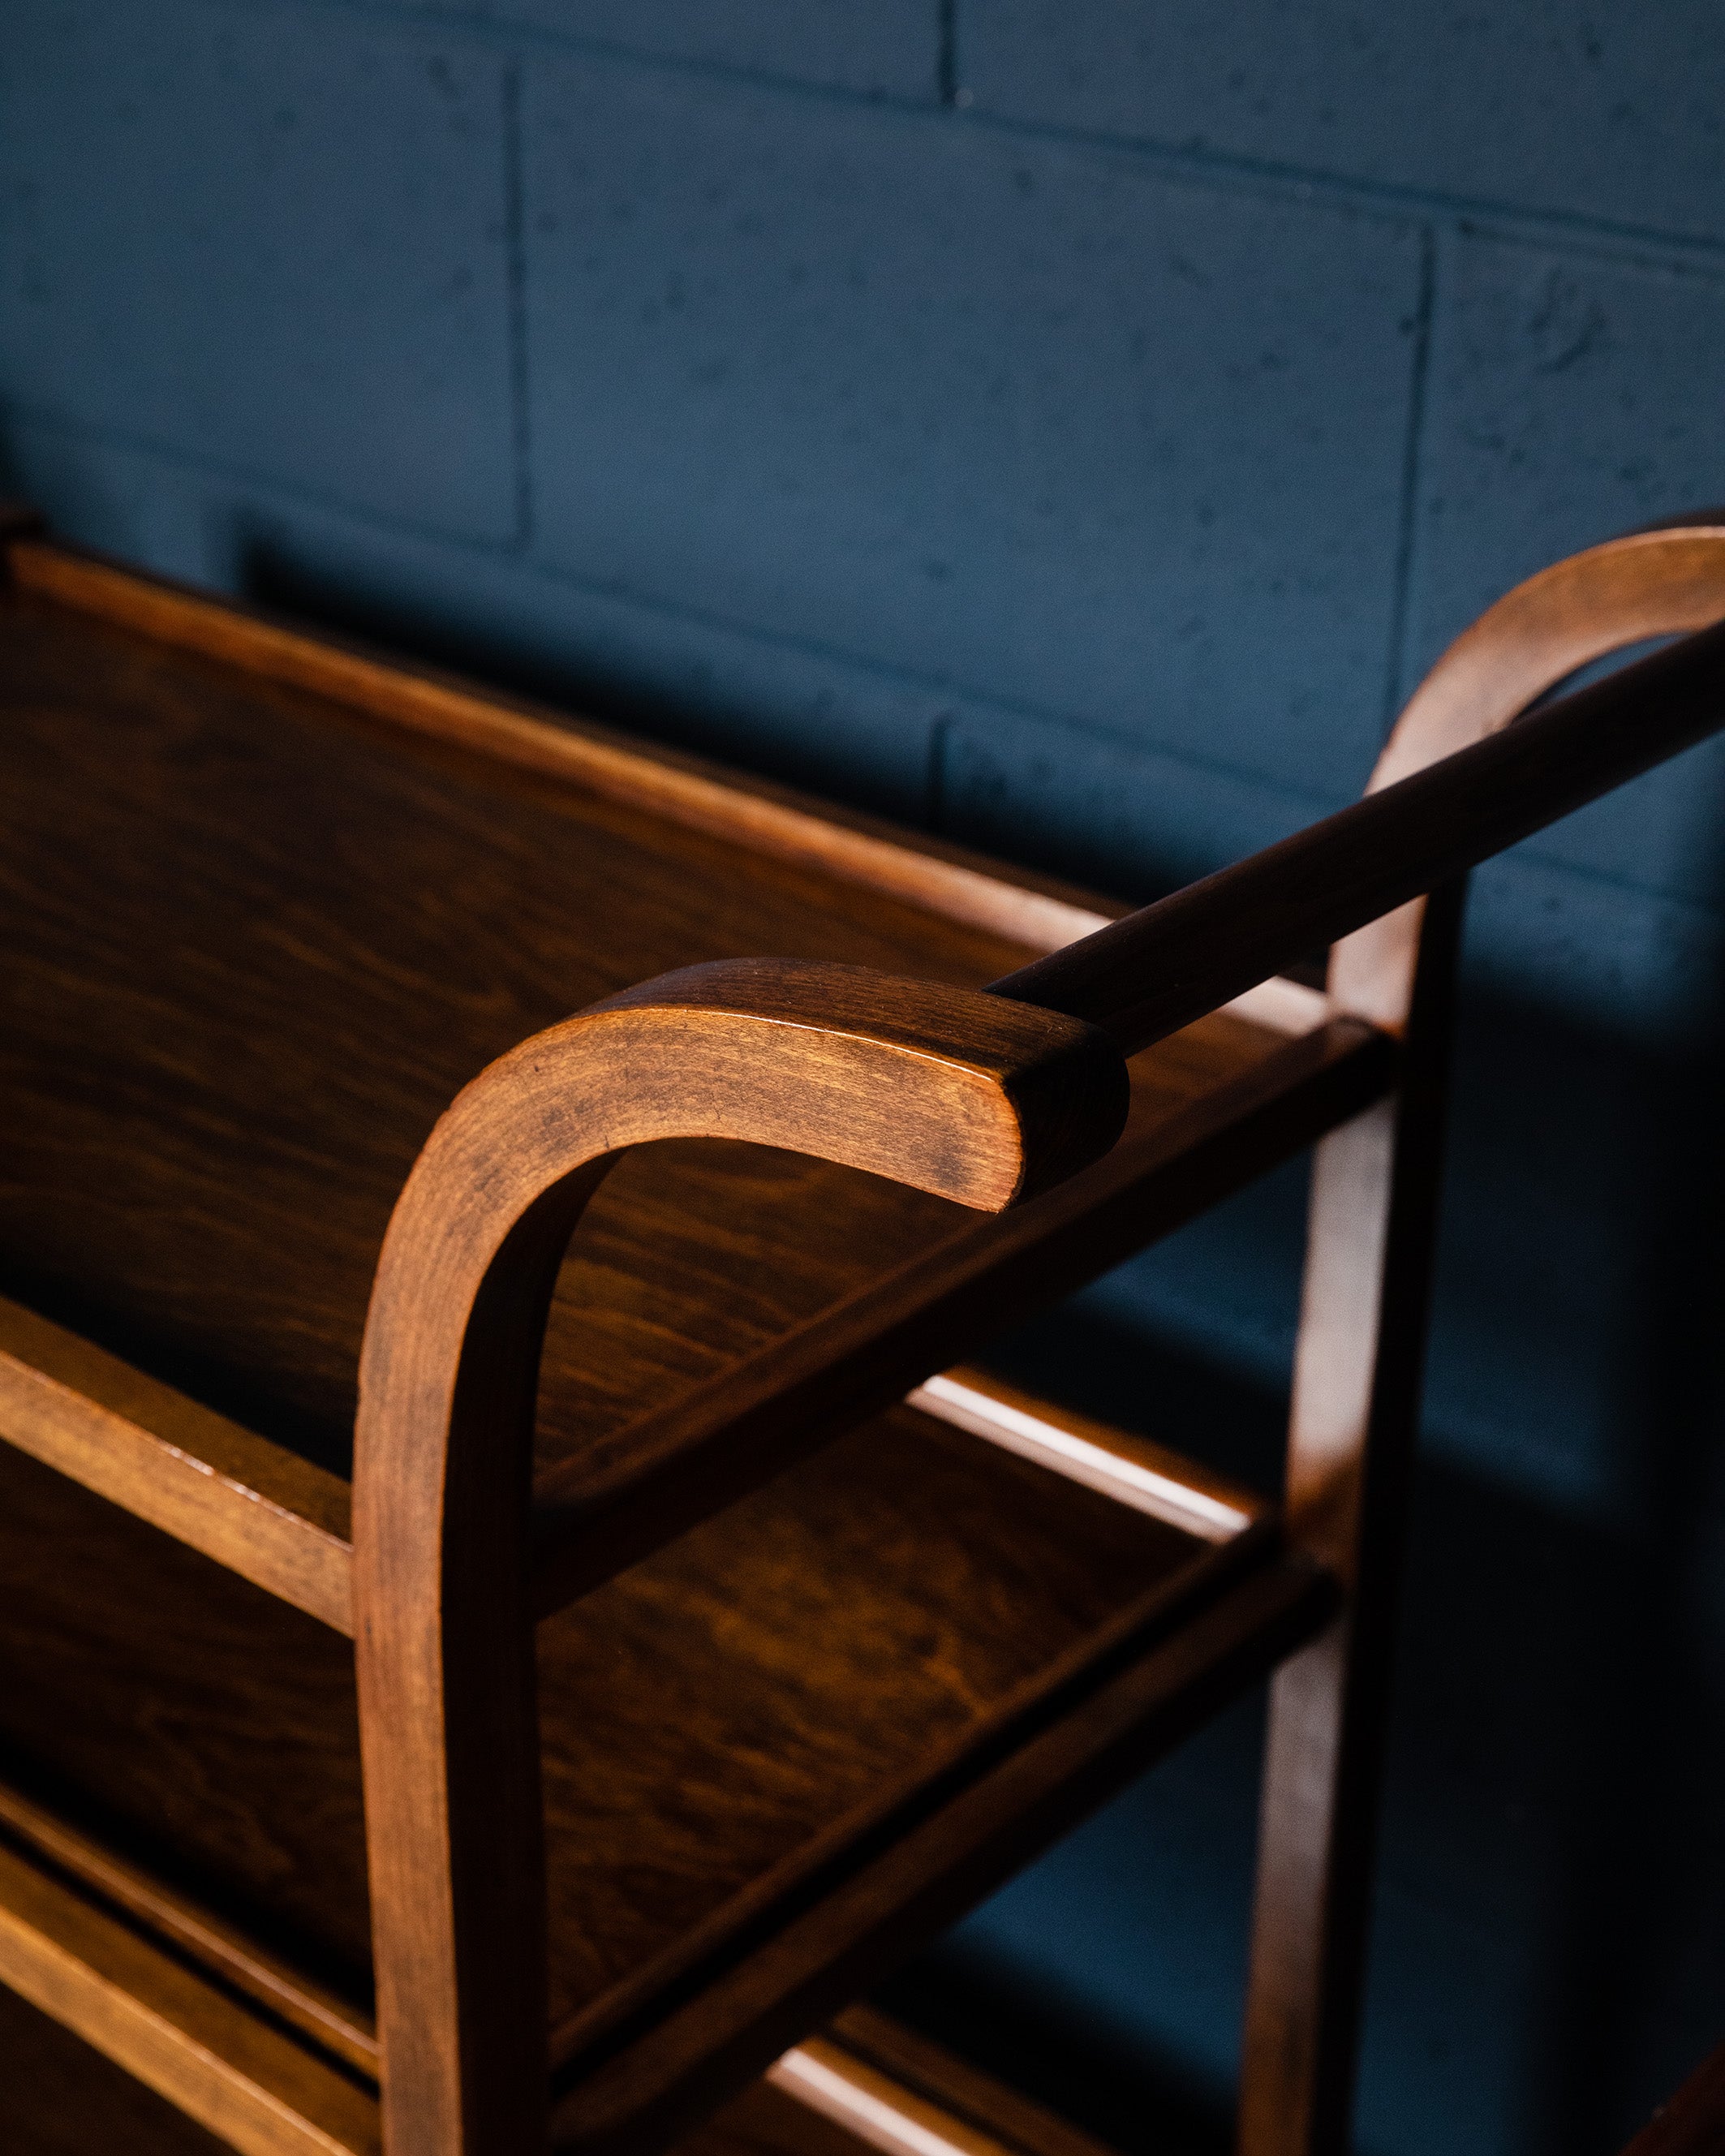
(1143, 977)
(955, 1091)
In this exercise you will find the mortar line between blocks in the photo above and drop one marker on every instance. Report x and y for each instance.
(515, 222)
(1406, 548)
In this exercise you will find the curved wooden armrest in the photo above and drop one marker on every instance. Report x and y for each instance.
(964, 1094)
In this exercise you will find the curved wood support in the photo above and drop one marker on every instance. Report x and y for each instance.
(983, 1098)
(1664, 583)
(1354, 1416)
(964, 1094)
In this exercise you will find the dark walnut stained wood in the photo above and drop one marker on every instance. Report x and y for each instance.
(1355, 1409)
(59, 2097)
(285, 939)
(941, 1088)
(232, 1025)
(688, 792)
(707, 1716)
(621, 1495)
(1141, 978)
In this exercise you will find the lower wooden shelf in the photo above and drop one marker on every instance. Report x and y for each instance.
(110, 2077)
(225, 2032)
(777, 1755)
(838, 1759)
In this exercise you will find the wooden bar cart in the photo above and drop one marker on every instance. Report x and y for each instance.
(515, 1610)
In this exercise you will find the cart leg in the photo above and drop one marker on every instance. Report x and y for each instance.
(1350, 1439)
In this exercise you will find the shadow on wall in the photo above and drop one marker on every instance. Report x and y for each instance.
(1549, 1955)
(549, 650)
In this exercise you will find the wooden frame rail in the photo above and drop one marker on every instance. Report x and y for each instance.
(1370, 1236)
(1141, 978)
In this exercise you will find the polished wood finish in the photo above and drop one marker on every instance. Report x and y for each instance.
(1141, 978)
(684, 790)
(875, 2090)
(273, 885)
(270, 1517)
(1664, 583)
(933, 2107)
(640, 1546)
(1133, 1471)
(1355, 1410)
(253, 2088)
(596, 1512)
(718, 1723)
(865, 1921)
(60, 2098)
(1353, 1422)
(955, 2095)
(230, 1953)
(901, 1077)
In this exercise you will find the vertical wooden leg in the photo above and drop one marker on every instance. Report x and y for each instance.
(1302, 2005)
(1350, 1439)
(448, 1723)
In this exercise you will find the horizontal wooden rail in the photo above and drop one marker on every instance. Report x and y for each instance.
(252, 1505)
(1143, 978)
(189, 1929)
(243, 2080)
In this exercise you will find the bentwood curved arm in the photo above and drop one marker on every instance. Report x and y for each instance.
(984, 1097)
(948, 1089)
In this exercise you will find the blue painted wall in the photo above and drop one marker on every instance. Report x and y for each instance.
(1072, 427)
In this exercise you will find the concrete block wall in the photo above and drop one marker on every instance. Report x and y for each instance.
(1074, 428)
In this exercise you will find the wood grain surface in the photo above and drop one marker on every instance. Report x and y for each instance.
(1663, 583)
(289, 935)
(253, 2087)
(60, 2098)
(599, 1506)
(289, 930)
(938, 1087)
(282, 943)
(193, 1930)
(676, 2068)
(285, 939)
(706, 1715)
(257, 1507)
(842, 844)
(1355, 1411)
